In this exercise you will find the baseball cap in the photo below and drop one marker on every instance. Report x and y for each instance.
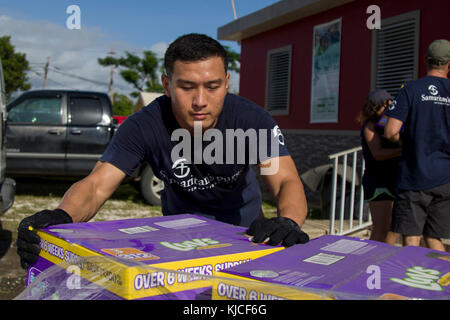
(439, 51)
(379, 96)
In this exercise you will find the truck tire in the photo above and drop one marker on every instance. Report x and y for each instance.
(151, 187)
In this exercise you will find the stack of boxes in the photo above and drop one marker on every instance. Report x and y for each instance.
(192, 257)
(150, 258)
(342, 268)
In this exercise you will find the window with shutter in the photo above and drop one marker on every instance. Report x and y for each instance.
(278, 80)
(395, 52)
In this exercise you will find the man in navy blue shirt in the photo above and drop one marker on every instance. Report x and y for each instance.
(422, 205)
(201, 141)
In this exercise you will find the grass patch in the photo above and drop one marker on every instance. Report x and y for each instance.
(57, 187)
(35, 194)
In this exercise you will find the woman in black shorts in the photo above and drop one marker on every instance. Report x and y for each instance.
(381, 163)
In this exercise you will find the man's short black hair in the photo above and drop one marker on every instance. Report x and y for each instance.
(193, 47)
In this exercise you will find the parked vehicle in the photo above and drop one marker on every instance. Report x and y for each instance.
(64, 133)
(120, 119)
(7, 185)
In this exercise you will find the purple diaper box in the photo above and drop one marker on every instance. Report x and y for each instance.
(151, 258)
(340, 267)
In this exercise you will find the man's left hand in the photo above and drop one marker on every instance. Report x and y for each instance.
(280, 229)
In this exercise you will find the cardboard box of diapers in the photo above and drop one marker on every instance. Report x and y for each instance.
(149, 258)
(341, 268)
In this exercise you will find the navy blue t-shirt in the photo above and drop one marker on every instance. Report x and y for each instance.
(424, 108)
(227, 189)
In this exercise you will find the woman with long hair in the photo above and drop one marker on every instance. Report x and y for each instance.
(381, 164)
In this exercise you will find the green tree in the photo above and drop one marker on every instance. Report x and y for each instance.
(15, 66)
(234, 60)
(122, 105)
(141, 72)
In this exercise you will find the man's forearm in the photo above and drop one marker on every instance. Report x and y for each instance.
(80, 201)
(84, 198)
(292, 201)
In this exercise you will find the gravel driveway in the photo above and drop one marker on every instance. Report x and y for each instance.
(33, 195)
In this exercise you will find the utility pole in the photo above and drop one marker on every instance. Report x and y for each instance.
(111, 81)
(45, 72)
(235, 16)
(234, 9)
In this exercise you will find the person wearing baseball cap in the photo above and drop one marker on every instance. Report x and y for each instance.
(381, 165)
(438, 54)
(422, 203)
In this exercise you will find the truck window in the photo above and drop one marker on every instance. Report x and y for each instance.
(85, 111)
(45, 110)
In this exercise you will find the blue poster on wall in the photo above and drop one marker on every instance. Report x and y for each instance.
(325, 72)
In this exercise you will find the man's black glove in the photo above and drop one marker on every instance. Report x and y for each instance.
(278, 229)
(28, 242)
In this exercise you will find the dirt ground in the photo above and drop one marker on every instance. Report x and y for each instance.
(33, 195)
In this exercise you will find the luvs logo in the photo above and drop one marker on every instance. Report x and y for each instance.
(189, 245)
(421, 278)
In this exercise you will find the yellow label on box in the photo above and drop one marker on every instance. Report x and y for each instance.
(227, 286)
(132, 273)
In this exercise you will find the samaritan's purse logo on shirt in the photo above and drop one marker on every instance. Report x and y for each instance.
(180, 168)
(182, 175)
(433, 90)
(392, 105)
(276, 131)
(228, 146)
(435, 97)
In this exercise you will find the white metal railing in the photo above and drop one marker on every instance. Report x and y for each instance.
(350, 226)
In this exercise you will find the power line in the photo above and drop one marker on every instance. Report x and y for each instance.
(40, 75)
(79, 77)
(67, 74)
(56, 69)
(51, 80)
(61, 84)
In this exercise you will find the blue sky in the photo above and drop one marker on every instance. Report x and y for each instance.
(38, 28)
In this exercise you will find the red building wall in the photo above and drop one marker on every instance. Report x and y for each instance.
(356, 43)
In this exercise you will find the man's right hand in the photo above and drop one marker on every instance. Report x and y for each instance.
(28, 242)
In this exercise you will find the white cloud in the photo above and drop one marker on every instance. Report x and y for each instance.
(159, 49)
(74, 54)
